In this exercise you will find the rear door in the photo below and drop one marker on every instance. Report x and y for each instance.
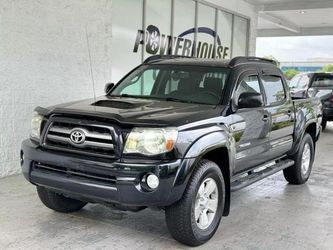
(281, 111)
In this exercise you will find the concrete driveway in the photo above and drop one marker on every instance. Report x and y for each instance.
(267, 215)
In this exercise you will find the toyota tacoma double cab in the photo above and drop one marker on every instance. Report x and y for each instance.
(177, 134)
(315, 85)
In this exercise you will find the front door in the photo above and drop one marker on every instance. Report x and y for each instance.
(251, 127)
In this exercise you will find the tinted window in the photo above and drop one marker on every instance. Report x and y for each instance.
(175, 83)
(294, 82)
(299, 81)
(274, 89)
(323, 81)
(303, 83)
(248, 84)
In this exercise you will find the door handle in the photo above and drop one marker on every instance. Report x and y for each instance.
(265, 118)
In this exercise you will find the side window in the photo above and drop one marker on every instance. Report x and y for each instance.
(248, 84)
(294, 81)
(274, 89)
(142, 84)
(304, 82)
(323, 81)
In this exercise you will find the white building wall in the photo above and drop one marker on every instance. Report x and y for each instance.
(44, 59)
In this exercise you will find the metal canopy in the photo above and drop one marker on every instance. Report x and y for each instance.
(294, 17)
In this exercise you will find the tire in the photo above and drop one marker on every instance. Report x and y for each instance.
(59, 202)
(323, 123)
(298, 173)
(181, 216)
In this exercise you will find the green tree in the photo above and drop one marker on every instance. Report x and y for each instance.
(290, 73)
(327, 68)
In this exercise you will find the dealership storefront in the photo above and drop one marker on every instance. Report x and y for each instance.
(175, 27)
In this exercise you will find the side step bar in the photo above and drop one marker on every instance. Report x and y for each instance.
(253, 176)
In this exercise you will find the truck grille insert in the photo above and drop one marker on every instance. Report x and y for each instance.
(77, 173)
(81, 138)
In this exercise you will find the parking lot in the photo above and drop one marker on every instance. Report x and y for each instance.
(267, 215)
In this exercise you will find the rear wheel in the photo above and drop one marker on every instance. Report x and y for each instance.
(59, 202)
(194, 219)
(300, 172)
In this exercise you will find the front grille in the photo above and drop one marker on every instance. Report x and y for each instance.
(97, 139)
(101, 178)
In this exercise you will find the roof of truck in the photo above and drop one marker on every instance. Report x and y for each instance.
(179, 60)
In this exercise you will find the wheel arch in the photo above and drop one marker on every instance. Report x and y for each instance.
(311, 129)
(216, 147)
(220, 156)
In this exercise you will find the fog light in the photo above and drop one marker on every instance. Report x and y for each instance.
(152, 181)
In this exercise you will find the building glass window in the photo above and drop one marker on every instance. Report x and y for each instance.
(206, 28)
(224, 31)
(131, 42)
(184, 26)
(240, 35)
(124, 32)
(158, 25)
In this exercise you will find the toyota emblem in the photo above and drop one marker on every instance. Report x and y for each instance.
(77, 136)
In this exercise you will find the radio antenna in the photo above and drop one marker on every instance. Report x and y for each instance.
(90, 63)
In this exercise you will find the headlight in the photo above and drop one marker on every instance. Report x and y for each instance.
(151, 141)
(36, 122)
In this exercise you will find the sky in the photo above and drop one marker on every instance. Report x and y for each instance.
(299, 48)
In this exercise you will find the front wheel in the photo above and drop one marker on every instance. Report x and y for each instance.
(300, 172)
(194, 219)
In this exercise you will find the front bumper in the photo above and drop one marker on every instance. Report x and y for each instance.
(100, 180)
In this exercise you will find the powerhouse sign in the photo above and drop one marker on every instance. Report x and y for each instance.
(162, 44)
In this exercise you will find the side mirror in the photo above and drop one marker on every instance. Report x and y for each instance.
(108, 87)
(312, 92)
(250, 100)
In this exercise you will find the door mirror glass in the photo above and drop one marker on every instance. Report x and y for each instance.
(108, 87)
(250, 100)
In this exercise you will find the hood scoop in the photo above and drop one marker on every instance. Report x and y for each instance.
(115, 104)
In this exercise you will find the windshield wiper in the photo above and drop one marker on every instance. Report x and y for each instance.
(173, 99)
(130, 96)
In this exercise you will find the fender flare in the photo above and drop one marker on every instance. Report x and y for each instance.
(202, 146)
(300, 135)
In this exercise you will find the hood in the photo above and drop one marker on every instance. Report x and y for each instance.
(138, 111)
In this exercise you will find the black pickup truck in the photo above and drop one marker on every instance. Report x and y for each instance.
(177, 134)
(315, 85)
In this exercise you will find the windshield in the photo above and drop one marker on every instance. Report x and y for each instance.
(194, 84)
